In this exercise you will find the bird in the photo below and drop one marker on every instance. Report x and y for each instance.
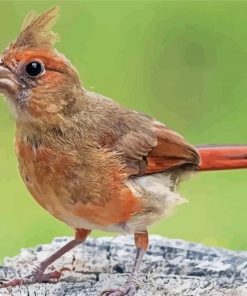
(87, 160)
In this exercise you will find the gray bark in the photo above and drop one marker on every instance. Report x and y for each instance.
(170, 267)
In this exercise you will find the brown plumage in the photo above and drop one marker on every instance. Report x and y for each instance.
(87, 160)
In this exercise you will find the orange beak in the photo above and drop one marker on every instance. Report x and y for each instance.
(7, 82)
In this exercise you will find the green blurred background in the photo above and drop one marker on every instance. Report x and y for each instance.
(184, 63)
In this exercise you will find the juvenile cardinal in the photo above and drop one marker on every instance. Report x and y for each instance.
(88, 161)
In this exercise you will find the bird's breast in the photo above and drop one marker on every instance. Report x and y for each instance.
(44, 172)
(81, 195)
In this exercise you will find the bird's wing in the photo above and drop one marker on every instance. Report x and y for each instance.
(156, 149)
(171, 150)
(144, 144)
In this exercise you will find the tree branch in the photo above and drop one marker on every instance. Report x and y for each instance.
(170, 267)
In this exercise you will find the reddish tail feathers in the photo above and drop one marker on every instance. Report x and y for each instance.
(216, 157)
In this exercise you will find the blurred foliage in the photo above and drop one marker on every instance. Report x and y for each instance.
(183, 62)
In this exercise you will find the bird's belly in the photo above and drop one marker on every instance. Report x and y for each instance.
(57, 184)
(77, 214)
(156, 199)
(54, 182)
(111, 216)
(141, 202)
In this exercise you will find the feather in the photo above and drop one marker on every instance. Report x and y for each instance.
(36, 30)
(31, 16)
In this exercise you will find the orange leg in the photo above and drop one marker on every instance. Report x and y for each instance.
(38, 274)
(141, 242)
(131, 285)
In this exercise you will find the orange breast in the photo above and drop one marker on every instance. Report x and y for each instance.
(118, 209)
(56, 182)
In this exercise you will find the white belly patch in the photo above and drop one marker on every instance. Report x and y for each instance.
(157, 192)
(156, 185)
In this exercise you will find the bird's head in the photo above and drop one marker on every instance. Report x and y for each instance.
(39, 83)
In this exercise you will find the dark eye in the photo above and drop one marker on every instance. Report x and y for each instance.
(34, 69)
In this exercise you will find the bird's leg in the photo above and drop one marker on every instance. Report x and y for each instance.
(132, 285)
(38, 275)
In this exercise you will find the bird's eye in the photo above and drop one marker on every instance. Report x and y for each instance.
(34, 68)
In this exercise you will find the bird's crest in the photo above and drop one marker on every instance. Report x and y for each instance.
(36, 30)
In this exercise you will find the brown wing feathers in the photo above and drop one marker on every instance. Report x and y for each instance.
(171, 151)
(144, 144)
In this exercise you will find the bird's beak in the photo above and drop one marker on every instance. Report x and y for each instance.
(7, 83)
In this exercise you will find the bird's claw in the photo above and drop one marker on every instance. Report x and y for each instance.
(35, 277)
(129, 289)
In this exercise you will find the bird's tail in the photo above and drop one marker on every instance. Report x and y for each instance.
(222, 157)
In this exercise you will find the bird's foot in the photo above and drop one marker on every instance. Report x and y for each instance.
(37, 276)
(129, 289)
